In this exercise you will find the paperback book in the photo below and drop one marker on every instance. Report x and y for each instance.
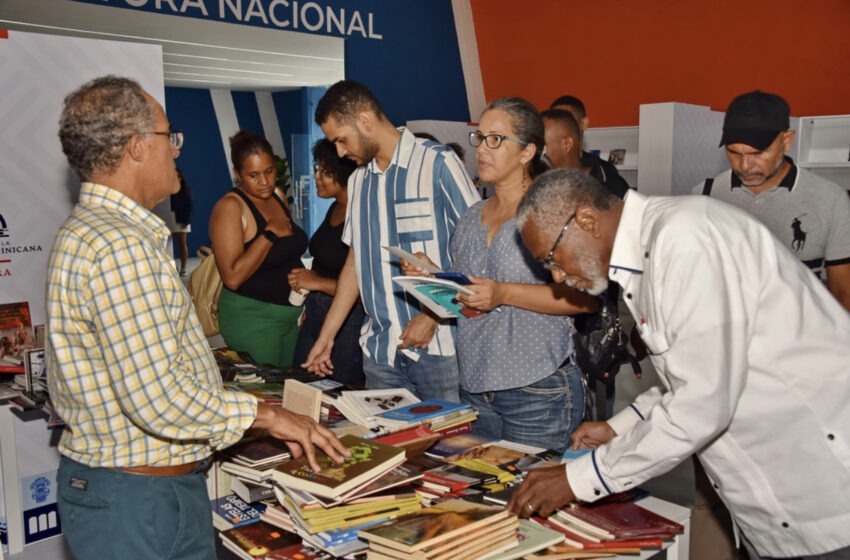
(232, 511)
(257, 539)
(368, 461)
(438, 294)
(433, 526)
(421, 412)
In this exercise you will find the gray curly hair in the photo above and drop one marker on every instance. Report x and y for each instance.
(557, 194)
(97, 120)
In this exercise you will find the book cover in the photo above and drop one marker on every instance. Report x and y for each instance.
(576, 539)
(16, 336)
(621, 519)
(457, 444)
(492, 453)
(232, 511)
(421, 411)
(363, 406)
(438, 295)
(411, 258)
(260, 451)
(260, 538)
(433, 525)
(368, 460)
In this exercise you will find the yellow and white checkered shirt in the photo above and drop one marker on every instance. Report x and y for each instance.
(129, 368)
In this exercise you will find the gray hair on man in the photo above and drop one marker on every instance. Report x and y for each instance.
(97, 120)
(557, 194)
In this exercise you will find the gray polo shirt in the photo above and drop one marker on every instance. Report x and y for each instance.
(810, 215)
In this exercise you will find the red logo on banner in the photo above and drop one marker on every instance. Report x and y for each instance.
(4, 33)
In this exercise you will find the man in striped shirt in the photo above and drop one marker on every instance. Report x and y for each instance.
(407, 193)
(130, 370)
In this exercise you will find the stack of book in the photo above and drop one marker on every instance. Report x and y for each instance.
(327, 507)
(254, 460)
(363, 407)
(437, 414)
(450, 530)
(617, 528)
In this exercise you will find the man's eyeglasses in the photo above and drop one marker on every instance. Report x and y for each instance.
(318, 170)
(547, 263)
(174, 136)
(493, 140)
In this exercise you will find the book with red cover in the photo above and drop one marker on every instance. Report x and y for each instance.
(577, 540)
(621, 520)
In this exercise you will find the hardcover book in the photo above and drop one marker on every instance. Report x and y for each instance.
(620, 520)
(368, 461)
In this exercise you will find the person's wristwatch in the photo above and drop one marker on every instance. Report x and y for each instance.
(270, 235)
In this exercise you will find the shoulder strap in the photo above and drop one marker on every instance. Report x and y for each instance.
(243, 200)
(706, 188)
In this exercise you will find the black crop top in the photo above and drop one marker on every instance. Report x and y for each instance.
(327, 249)
(268, 283)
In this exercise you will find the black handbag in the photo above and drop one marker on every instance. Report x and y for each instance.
(602, 346)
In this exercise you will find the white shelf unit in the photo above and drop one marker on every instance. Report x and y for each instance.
(610, 138)
(823, 147)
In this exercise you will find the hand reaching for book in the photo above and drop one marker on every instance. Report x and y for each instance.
(300, 434)
(543, 491)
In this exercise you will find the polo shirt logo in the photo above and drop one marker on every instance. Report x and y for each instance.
(799, 240)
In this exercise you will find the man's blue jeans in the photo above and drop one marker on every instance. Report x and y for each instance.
(543, 414)
(431, 377)
(109, 513)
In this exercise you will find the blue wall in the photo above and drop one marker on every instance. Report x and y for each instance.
(414, 68)
(202, 159)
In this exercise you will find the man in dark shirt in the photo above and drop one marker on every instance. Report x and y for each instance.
(563, 148)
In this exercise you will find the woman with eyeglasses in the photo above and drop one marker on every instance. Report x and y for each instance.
(331, 173)
(256, 244)
(517, 361)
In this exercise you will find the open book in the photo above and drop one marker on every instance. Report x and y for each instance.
(438, 295)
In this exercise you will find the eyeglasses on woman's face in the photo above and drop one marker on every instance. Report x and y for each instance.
(492, 140)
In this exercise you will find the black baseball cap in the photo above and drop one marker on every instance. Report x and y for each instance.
(755, 119)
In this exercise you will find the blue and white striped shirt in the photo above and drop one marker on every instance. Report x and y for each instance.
(414, 204)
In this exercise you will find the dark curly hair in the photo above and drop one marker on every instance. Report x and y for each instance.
(324, 154)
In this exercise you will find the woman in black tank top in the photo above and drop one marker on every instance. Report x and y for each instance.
(256, 244)
(329, 253)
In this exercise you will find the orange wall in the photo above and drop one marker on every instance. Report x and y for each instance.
(617, 54)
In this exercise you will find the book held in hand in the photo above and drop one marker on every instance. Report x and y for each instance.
(438, 295)
(368, 461)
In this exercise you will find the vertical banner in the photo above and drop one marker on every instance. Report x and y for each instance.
(37, 191)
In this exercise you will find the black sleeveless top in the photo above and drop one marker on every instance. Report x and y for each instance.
(268, 283)
(327, 249)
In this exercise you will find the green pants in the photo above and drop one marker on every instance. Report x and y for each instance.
(267, 331)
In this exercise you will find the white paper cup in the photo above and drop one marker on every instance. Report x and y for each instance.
(297, 297)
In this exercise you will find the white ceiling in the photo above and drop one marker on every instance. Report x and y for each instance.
(196, 53)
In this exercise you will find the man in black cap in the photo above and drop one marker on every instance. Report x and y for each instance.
(806, 212)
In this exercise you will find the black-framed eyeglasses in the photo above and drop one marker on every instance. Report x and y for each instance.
(492, 140)
(547, 263)
(174, 136)
(319, 170)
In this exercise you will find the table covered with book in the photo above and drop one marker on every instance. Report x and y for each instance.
(419, 484)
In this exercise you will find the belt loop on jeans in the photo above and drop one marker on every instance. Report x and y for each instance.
(170, 470)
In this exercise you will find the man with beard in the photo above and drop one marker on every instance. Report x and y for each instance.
(751, 349)
(808, 213)
(407, 193)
